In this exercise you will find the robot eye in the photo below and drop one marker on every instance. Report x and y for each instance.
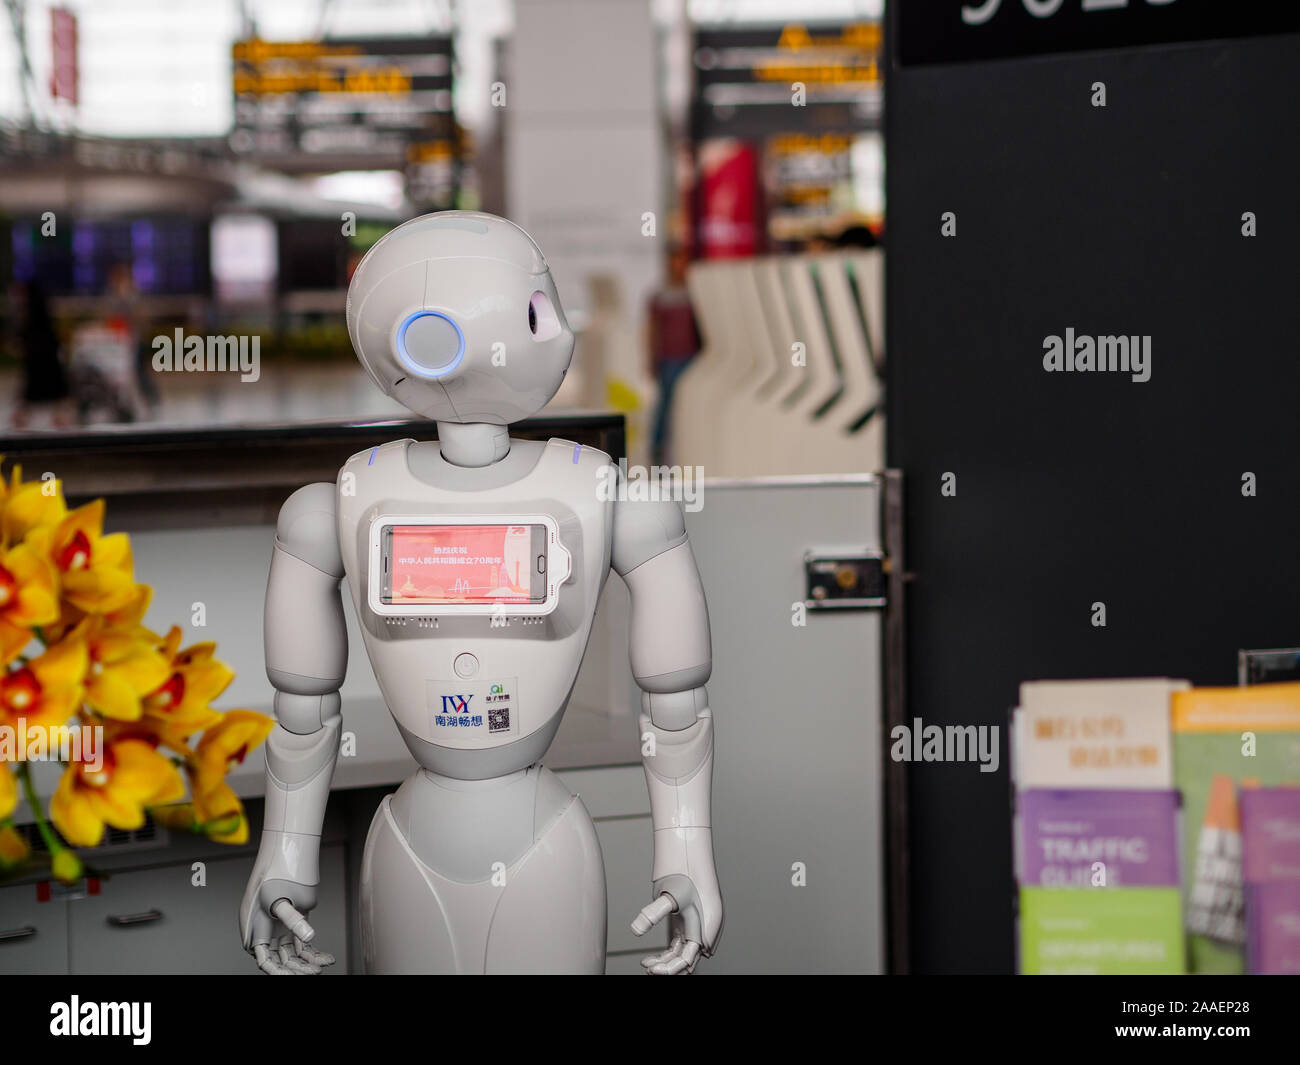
(543, 321)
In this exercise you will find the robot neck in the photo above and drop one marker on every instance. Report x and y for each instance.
(473, 443)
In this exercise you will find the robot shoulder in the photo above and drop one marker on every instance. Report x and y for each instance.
(366, 458)
(644, 528)
(308, 529)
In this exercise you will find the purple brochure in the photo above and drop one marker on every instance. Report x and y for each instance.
(1098, 838)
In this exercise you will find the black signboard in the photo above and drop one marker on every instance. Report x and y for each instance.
(1019, 208)
(946, 31)
(342, 102)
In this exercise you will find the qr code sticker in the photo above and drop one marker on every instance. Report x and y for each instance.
(499, 719)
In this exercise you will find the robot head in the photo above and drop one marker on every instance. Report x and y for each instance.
(455, 316)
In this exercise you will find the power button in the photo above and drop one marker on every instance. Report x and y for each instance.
(466, 665)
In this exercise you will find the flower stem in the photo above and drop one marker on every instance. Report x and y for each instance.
(52, 842)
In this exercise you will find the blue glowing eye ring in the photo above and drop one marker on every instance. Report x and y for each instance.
(418, 369)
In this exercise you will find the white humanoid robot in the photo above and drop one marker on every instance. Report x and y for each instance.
(474, 564)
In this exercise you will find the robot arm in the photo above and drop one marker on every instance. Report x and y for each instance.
(671, 660)
(306, 658)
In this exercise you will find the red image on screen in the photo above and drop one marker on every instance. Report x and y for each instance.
(461, 564)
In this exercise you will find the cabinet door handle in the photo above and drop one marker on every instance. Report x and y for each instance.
(126, 920)
(26, 932)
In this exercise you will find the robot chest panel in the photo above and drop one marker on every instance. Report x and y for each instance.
(475, 607)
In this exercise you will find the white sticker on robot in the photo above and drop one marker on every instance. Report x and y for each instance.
(486, 706)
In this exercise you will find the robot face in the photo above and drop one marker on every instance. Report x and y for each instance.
(455, 316)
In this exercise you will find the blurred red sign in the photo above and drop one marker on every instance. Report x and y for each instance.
(63, 43)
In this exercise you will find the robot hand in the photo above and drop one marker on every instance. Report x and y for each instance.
(274, 927)
(696, 924)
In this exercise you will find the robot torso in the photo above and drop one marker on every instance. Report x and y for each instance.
(475, 590)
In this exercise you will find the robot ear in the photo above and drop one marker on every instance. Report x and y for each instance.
(543, 322)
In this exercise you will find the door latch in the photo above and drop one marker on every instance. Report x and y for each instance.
(844, 581)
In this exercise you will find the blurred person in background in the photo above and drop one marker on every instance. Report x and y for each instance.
(125, 317)
(109, 362)
(673, 341)
(46, 396)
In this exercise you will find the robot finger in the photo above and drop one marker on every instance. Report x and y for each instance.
(269, 962)
(651, 960)
(683, 960)
(652, 914)
(311, 955)
(294, 921)
(290, 960)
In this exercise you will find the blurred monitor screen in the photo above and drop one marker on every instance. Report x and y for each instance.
(245, 258)
(166, 256)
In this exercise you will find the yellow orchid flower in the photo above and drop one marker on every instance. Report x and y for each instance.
(219, 808)
(29, 506)
(95, 570)
(128, 619)
(29, 596)
(181, 706)
(45, 692)
(132, 776)
(63, 580)
(8, 791)
(227, 743)
(13, 848)
(222, 746)
(124, 668)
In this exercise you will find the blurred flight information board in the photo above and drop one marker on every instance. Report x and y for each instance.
(342, 103)
(753, 81)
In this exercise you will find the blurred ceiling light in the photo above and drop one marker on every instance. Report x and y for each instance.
(383, 188)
